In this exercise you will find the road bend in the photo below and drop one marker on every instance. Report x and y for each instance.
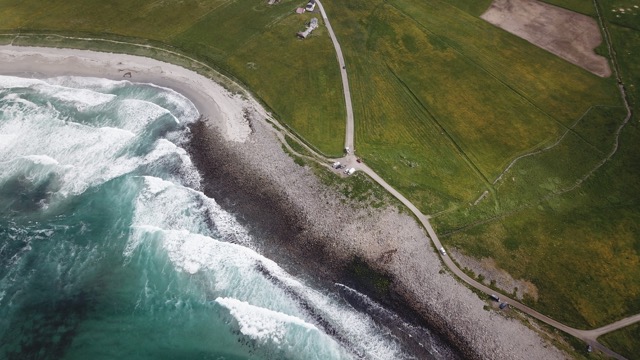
(588, 336)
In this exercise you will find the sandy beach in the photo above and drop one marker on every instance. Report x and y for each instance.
(311, 225)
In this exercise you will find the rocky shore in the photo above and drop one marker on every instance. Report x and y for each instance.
(319, 232)
(324, 233)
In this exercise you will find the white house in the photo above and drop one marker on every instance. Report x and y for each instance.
(312, 26)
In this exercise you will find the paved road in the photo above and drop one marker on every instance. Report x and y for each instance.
(588, 336)
(349, 133)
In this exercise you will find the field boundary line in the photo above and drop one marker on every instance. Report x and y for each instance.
(556, 143)
(455, 144)
(518, 92)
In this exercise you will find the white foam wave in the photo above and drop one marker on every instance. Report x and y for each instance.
(229, 269)
(90, 156)
(8, 82)
(97, 84)
(33, 168)
(234, 271)
(15, 98)
(81, 99)
(134, 115)
(181, 106)
(175, 207)
(368, 339)
(285, 335)
(260, 323)
(7, 140)
(156, 185)
(42, 159)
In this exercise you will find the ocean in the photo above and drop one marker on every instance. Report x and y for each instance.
(109, 249)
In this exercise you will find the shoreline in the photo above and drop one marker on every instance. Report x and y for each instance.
(245, 169)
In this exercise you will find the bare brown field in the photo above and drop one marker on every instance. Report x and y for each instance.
(567, 34)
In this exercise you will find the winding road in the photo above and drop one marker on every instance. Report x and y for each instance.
(588, 336)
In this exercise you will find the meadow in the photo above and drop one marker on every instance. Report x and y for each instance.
(578, 241)
(444, 103)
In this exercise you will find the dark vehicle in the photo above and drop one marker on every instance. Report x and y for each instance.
(503, 306)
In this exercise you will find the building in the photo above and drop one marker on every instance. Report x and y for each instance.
(311, 5)
(313, 24)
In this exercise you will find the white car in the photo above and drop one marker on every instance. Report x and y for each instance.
(444, 253)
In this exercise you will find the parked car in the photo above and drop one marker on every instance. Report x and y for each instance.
(443, 252)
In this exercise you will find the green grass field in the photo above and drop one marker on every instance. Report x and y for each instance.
(625, 341)
(583, 7)
(444, 103)
(582, 247)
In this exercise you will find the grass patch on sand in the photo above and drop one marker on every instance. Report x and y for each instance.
(366, 279)
(358, 187)
(296, 146)
(625, 341)
(255, 43)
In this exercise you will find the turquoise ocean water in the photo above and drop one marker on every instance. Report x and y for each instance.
(108, 250)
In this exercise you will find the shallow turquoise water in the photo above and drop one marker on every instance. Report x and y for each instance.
(109, 251)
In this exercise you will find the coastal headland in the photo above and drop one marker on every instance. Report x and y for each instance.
(319, 231)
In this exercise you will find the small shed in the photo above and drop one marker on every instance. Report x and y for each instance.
(300, 11)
